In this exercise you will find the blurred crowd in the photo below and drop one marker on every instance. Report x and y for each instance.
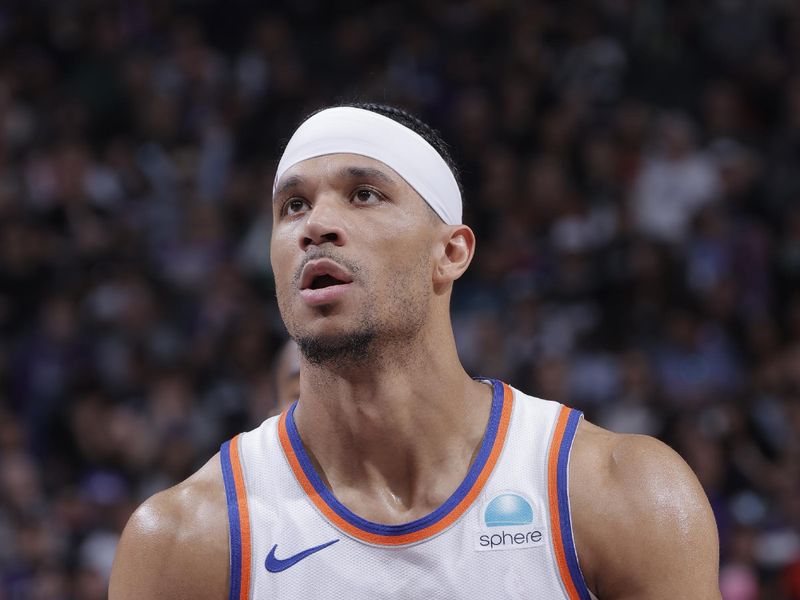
(632, 171)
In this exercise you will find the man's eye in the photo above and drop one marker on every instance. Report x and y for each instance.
(367, 196)
(294, 206)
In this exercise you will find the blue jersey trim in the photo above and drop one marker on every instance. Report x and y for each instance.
(563, 504)
(233, 521)
(426, 521)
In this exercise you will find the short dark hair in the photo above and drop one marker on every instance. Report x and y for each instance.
(418, 126)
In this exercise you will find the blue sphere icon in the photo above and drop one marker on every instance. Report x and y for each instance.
(508, 510)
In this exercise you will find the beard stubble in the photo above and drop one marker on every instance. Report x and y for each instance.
(380, 327)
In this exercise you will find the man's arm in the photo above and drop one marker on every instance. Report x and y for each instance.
(642, 523)
(176, 544)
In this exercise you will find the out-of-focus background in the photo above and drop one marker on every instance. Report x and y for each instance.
(632, 171)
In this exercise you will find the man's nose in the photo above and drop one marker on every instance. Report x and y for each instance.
(324, 223)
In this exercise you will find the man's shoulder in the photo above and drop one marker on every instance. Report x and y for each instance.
(176, 543)
(640, 516)
(637, 470)
(193, 506)
(616, 457)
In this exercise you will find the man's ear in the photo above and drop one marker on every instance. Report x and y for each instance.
(458, 244)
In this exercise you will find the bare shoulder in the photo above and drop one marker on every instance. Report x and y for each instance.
(643, 526)
(176, 543)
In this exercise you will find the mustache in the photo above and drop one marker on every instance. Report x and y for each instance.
(352, 267)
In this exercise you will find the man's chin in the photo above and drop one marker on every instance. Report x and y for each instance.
(336, 349)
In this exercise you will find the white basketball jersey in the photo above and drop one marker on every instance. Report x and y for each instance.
(504, 533)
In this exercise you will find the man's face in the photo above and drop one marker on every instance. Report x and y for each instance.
(352, 253)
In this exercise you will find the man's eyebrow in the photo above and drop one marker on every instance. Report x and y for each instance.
(289, 184)
(295, 181)
(366, 173)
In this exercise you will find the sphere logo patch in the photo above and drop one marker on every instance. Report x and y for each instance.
(508, 523)
(506, 510)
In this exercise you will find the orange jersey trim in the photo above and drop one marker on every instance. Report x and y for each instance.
(417, 536)
(244, 518)
(556, 523)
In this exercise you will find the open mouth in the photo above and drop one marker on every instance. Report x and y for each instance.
(323, 273)
(323, 281)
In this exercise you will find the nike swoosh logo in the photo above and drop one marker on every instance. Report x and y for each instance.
(276, 565)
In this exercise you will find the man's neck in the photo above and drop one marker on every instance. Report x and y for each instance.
(395, 438)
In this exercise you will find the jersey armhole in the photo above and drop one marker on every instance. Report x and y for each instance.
(558, 503)
(238, 520)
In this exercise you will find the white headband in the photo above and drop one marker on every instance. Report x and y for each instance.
(357, 131)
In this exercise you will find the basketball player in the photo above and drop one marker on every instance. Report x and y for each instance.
(396, 474)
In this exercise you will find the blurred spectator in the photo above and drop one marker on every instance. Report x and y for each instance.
(287, 377)
(675, 181)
